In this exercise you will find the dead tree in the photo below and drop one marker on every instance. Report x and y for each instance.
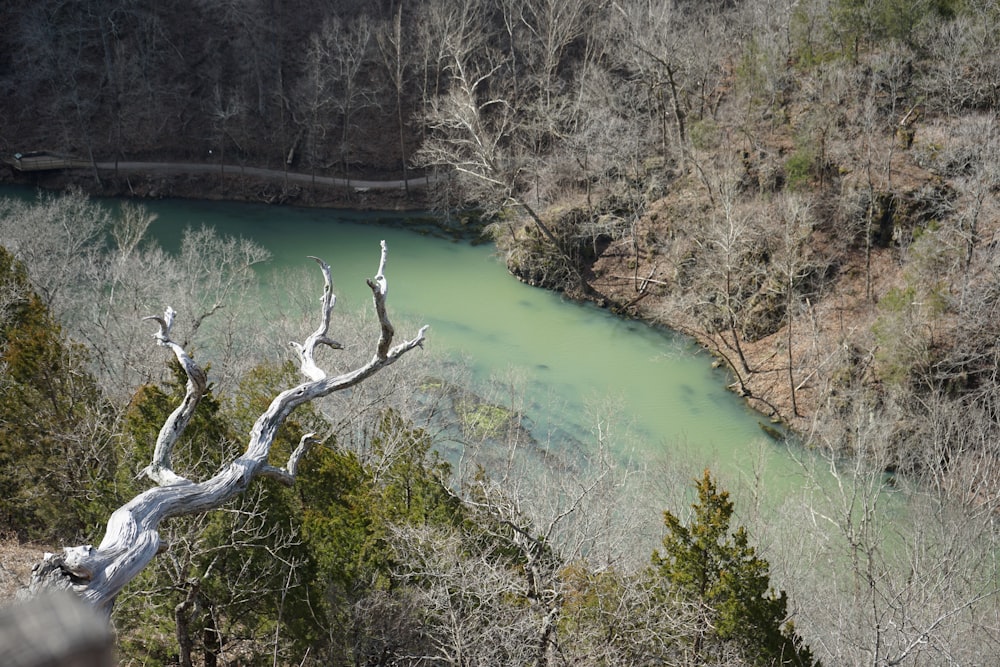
(132, 537)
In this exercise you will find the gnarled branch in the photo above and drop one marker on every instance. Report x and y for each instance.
(132, 537)
(287, 474)
(307, 350)
(160, 469)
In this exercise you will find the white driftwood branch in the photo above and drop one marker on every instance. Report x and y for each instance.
(132, 537)
(160, 469)
(380, 288)
(287, 474)
(307, 350)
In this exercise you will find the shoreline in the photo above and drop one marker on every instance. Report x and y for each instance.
(237, 183)
(135, 180)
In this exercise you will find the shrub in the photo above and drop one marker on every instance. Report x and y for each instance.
(713, 566)
(800, 167)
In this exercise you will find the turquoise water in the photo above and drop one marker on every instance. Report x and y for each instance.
(571, 355)
(656, 385)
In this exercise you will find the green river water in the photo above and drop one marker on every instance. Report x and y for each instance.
(661, 388)
(570, 355)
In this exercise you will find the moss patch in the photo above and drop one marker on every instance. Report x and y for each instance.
(484, 420)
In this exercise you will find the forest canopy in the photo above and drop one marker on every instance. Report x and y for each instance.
(377, 552)
(809, 188)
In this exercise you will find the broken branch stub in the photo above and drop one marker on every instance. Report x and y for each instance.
(132, 538)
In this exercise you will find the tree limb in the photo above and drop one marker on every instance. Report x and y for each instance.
(160, 469)
(132, 537)
(287, 474)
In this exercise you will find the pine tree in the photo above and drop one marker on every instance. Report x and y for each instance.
(56, 463)
(708, 564)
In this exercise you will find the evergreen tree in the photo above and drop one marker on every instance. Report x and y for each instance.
(711, 565)
(56, 463)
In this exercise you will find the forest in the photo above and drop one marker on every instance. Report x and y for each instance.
(808, 188)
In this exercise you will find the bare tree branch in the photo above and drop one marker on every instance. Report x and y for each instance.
(160, 469)
(132, 537)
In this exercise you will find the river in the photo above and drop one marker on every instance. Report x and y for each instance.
(570, 355)
(660, 388)
(661, 384)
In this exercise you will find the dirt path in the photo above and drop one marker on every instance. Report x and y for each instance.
(259, 172)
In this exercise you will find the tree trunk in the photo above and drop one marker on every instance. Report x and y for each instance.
(182, 620)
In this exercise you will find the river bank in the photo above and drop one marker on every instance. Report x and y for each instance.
(657, 261)
(615, 281)
(216, 182)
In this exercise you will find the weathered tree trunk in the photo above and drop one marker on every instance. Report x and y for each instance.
(132, 537)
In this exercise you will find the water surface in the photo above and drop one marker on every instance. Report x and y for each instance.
(570, 354)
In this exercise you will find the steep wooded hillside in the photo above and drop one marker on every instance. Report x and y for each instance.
(761, 174)
(809, 187)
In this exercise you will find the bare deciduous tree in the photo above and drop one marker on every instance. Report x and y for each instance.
(91, 269)
(132, 537)
(663, 43)
(395, 52)
(793, 270)
(474, 130)
(333, 81)
(730, 247)
(916, 574)
(59, 238)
